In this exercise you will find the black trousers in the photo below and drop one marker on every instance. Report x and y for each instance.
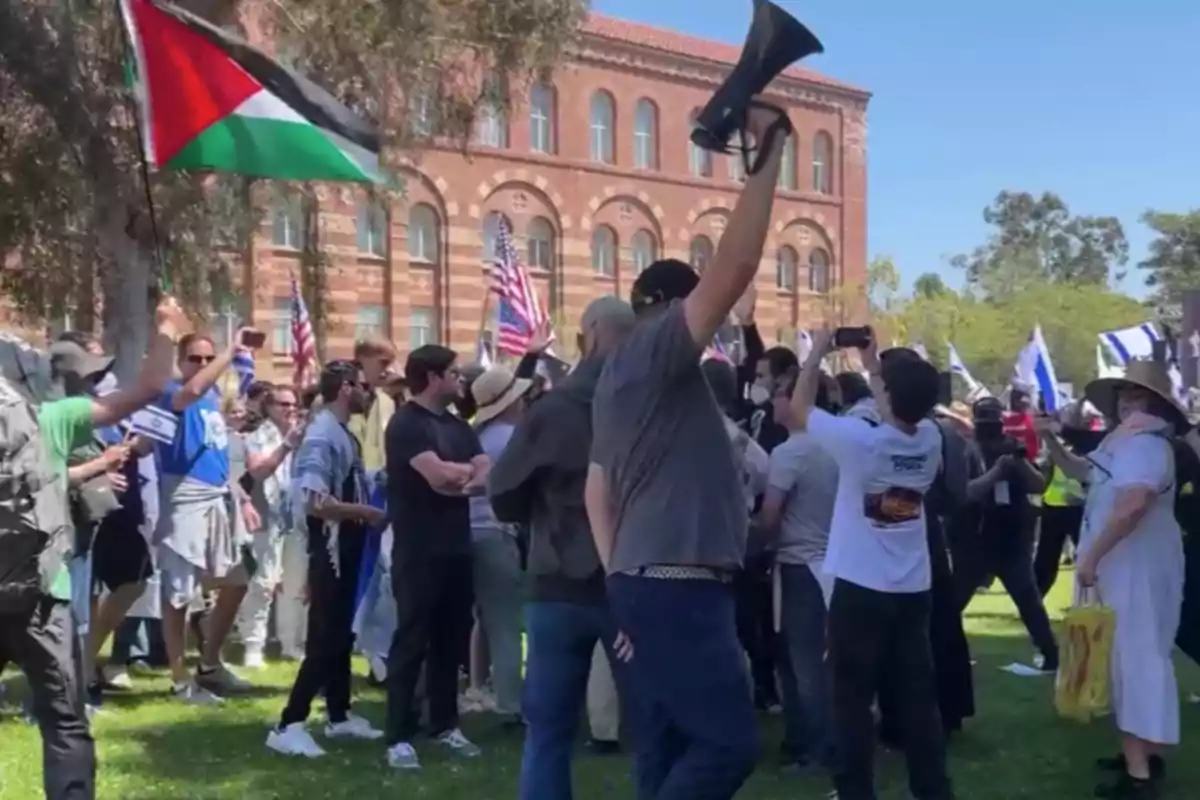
(755, 618)
(1008, 554)
(330, 640)
(1059, 523)
(434, 599)
(1188, 635)
(872, 634)
(42, 642)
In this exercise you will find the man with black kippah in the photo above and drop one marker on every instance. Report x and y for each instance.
(669, 526)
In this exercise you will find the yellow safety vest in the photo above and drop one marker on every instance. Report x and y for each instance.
(1062, 490)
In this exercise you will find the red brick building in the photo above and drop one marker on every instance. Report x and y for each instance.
(595, 175)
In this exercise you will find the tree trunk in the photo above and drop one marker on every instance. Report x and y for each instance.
(126, 288)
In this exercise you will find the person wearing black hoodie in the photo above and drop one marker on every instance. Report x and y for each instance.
(538, 482)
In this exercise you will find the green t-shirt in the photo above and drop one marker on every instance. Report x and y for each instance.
(65, 425)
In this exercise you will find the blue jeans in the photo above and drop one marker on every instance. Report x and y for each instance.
(697, 735)
(561, 638)
(807, 705)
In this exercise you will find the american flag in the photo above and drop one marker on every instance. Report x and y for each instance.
(519, 313)
(304, 344)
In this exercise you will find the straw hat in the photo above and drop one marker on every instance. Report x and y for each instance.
(1143, 374)
(495, 390)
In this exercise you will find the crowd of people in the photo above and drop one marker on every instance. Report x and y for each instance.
(663, 539)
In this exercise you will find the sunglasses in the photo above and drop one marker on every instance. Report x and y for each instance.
(201, 359)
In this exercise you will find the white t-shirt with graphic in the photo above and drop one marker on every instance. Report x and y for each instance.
(877, 538)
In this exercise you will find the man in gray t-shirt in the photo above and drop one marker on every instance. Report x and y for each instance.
(804, 478)
(667, 510)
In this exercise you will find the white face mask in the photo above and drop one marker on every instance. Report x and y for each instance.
(759, 395)
(107, 385)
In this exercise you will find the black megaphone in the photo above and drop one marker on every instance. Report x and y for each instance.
(775, 42)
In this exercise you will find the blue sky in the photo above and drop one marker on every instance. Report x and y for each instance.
(1098, 101)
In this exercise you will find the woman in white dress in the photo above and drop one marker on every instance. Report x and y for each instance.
(1131, 552)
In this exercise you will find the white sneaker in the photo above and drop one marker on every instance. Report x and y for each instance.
(118, 677)
(458, 743)
(195, 695)
(253, 659)
(403, 755)
(379, 668)
(294, 740)
(353, 727)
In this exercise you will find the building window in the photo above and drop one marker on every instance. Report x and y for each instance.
(822, 164)
(492, 225)
(281, 326)
(644, 250)
(422, 113)
(818, 271)
(287, 222)
(421, 323)
(604, 251)
(222, 327)
(540, 239)
(491, 121)
(541, 118)
(786, 262)
(423, 242)
(370, 322)
(371, 227)
(787, 165)
(699, 159)
(737, 160)
(602, 116)
(645, 135)
(701, 253)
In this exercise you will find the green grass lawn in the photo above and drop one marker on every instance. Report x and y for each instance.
(150, 749)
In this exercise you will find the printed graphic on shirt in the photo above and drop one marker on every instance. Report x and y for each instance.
(894, 506)
(215, 434)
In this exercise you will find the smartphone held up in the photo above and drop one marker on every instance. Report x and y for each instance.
(858, 338)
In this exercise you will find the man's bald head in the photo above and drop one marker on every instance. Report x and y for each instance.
(604, 324)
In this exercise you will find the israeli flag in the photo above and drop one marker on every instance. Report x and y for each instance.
(243, 366)
(1103, 370)
(958, 368)
(1035, 369)
(155, 423)
(1127, 344)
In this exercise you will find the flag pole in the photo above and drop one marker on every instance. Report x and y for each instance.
(144, 165)
(484, 308)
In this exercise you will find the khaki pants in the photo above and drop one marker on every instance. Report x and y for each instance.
(603, 707)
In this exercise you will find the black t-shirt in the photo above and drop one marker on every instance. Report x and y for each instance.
(426, 524)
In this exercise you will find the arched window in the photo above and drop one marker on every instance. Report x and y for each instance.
(423, 230)
(604, 251)
(371, 227)
(493, 223)
(786, 261)
(645, 135)
(541, 118)
(699, 159)
(818, 271)
(822, 164)
(491, 121)
(787, 165)
(602, 116)
(540, 239)
(701, 253)
(645, 250)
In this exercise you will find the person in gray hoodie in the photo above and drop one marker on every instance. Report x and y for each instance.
(538, 482)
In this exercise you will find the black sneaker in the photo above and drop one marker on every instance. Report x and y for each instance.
(604, 747)
(1158, 767)
(1128, 787)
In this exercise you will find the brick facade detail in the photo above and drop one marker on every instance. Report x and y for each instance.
(427, 278)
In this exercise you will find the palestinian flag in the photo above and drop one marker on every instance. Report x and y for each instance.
(210, 101)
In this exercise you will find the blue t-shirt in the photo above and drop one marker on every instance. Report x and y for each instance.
(200, 449)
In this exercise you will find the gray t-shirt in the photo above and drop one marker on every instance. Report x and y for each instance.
(661, 441)
(808, 477)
